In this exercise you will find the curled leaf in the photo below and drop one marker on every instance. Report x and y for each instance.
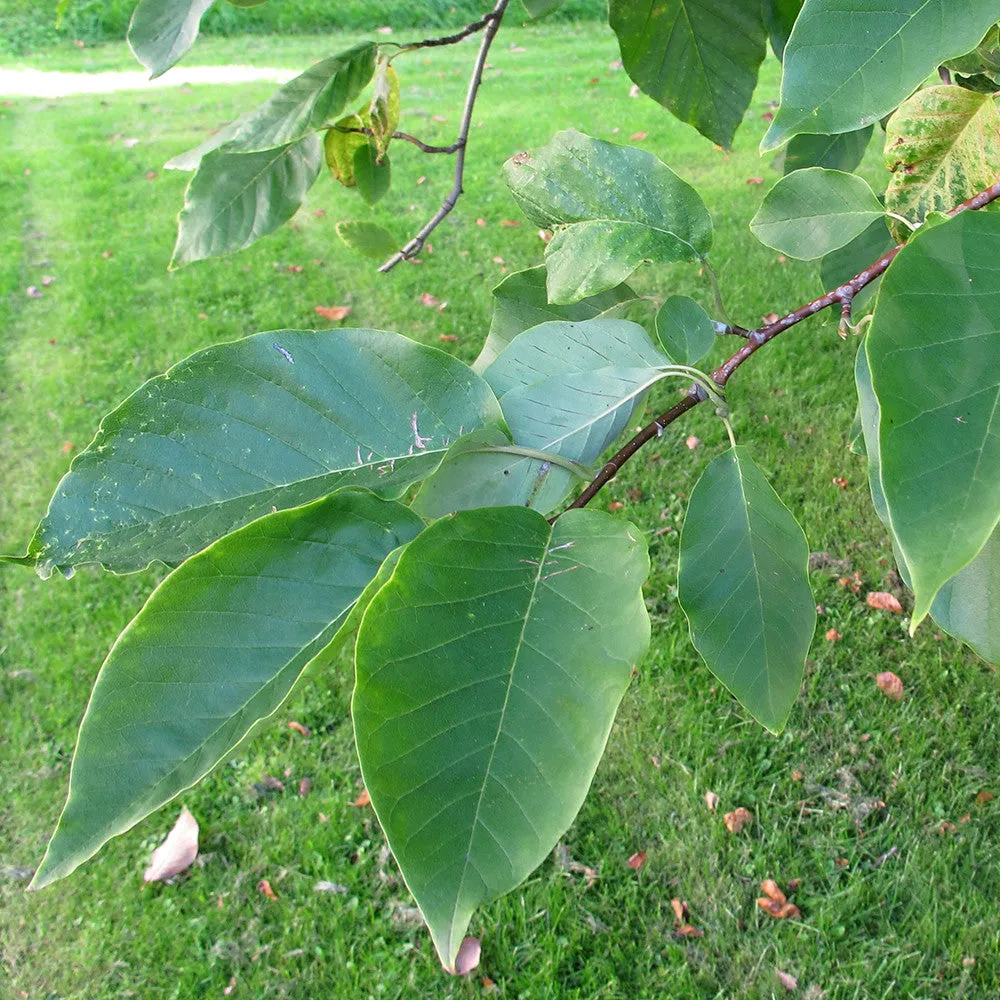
(882, 601)
(737, 819)
(890, 685)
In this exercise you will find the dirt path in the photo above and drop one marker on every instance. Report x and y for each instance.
(39, 83)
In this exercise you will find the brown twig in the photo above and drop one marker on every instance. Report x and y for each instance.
(756, 339)
(469, 29)
(461, 141)
(422, 146)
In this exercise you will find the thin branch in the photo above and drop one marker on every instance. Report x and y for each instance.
(469, 29)
(730, 330)
(422, 146)
(415, 245)
(840, 296)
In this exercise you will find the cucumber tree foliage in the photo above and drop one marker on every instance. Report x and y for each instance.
(312, 492)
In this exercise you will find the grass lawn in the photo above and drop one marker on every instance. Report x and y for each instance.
(895, 902)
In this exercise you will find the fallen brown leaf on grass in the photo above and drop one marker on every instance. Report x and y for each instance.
(448, 338)
(882, 601)
(890, 685)
(789, 982)
(299, 728)
(780, 911)
(468, 956)
(637, 860)
(692, 442)
(480, 222)
(363, 799)
(769, 318)
(177, 852)
(510, 223)
(428, 300)
(983, 797)
(832, 635)
(615, 505)
(770, 889)
(755, 180)
(737, 819)
(305, 787)
(229, 989)
(841, 482)
(638, 136)
(264, 888)
(851, 583)
(682, 919)
(334, 312)
(711, 800)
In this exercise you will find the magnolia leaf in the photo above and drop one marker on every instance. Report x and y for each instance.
(685, 331)
(339, 146)
(812, 212)
(383, 110)
(779, 17)
(982, 62)
(743, 583)
(610, 207)
(834, 152)
(942, 146)
(216, 649)
(236, 198)
(698, 58)
(371, 176)
(275, 420)
(367, 238)
(191, 159)
(489, 670)
(306, 103)
(848, 63)
(932, 352)
(520, 301)
(161, 31)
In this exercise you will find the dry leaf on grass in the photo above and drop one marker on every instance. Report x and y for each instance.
(334, 312)
(789, 982)
(363, 799)
(682, 917)
(637, 860)
(468, 956)
(890, 685)
(711, 800)
(780, 911)
(983, 797)
(832, 635)
(692, 442)
(177, 852)
(770, 889)
(737, 819)
(264, 888)
(299, 728)
(305, 787)
(428, 300)
(882, 601)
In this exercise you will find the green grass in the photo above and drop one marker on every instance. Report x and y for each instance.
(900, 919)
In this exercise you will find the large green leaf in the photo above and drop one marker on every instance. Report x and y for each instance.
(520, 301)
(942, 146)
(161, 31)
(848, 63)
(779, 18)
(307, 103)
(743, 583)
(812, 212)
(236, 198)
(685, 331)
(610, 207)
(934, 351)
(215, 650)
(275, 420)
(968, 605)
(489, 670)
(835, 152)
(698, 58)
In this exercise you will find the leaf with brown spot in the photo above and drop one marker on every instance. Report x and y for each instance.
(880, 600)
(737, 819)
(890, 685)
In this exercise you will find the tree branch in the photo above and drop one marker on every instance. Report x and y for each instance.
(422, 146)
(756, 339)
(469, 29)
(415, 245)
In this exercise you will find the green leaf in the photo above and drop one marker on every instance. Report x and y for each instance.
(968, 605)
(191, 159)
(814, 211)
(698, 58)
(216, 649)
(942, 146)
(610, 207)
(841, 265)
(489, 670)
(161, 31)
(236, 198)
(246, 3)
(848, 63)
(779, 17)
(371, 176)
(520, 302)
(275, 420)
(982, 62)
(933, 348)
(834, 152)
(685, 331)
(539, 8)
(307, 103)
(367, 238)
(743, 583)
(340, 146)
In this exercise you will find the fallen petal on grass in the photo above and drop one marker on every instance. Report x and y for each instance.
(177, 852)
